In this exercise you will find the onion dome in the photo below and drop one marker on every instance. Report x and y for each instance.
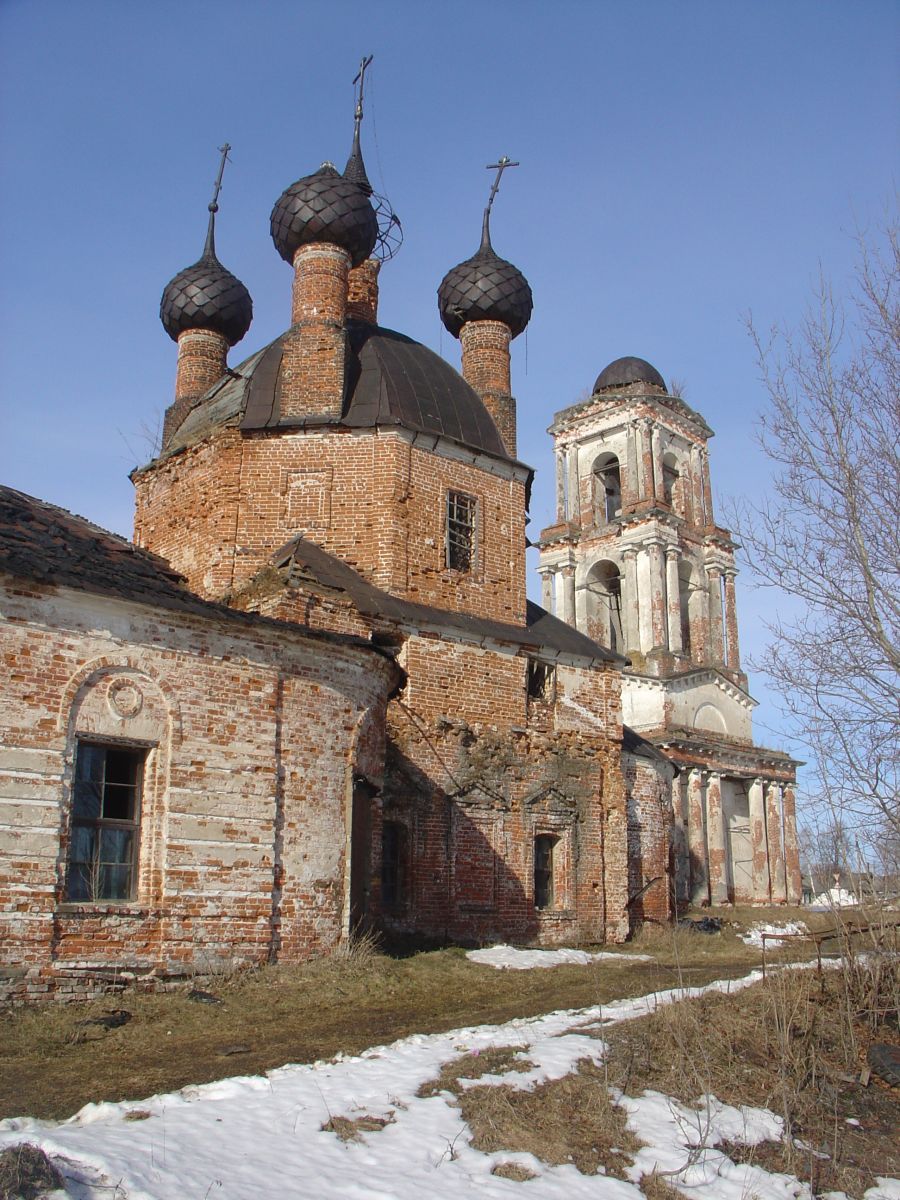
(485, 287)
(206, 295)
(624, 371)
(324, 207)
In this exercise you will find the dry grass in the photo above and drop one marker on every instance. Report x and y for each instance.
(26, 1173)
(351, 1130)
(791, 1045)
(497, 1060)
(572, 1120)
(276, 1015)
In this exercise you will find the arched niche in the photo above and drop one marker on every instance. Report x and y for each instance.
(671, 480)
(708, 717)
(606, 489)
(603, 589)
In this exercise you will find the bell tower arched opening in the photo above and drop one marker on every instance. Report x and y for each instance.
(604, 605)
(607, 489)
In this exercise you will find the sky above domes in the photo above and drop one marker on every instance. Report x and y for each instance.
(681, 166)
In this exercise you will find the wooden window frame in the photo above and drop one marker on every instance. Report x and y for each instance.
(89, 880)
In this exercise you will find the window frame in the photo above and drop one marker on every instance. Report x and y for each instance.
(548, 890)
(91, 868)
(465, 564)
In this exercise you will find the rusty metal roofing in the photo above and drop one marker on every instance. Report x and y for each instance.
(390, 380)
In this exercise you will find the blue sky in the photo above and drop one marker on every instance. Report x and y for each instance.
(682, 164)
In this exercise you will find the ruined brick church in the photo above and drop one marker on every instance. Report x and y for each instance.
(312, 694)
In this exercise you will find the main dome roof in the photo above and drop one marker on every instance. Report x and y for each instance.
(390, 380)
(623, 371)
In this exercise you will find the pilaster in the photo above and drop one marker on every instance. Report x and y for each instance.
(733, 653)
(758, 843)
(673, 600)
(776, 851)
(715, 836)
(794, 885)
(699, 869)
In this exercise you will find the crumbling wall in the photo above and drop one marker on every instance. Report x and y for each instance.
(650, 822)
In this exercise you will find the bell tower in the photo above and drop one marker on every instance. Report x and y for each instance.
(636, 560)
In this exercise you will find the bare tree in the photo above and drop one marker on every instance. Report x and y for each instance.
(829, 536)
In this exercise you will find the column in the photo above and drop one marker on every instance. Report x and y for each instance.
(699, 874)
(546, 588)
(673, 600)
(707, 486)
(697, 487)
(656, 443)
(631, 600)
(559, 600)
(679, 840)
(776, 853)
(573, 512)
(760, 868)
(657, 597)
(733, 653)
(791, 846)
(715, 836)
(716, 648)
(647, 459)
(568, 609)
(629, 477)
(561, 513)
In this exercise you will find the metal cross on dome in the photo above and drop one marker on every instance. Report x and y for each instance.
(499, 166)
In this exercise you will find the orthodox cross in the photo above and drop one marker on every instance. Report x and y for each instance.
(217, 186)
(361, 80)
(499, 166)
(209, 250)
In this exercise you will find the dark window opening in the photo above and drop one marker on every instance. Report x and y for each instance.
(608, 490)
(460, 531)
(541, 680)
(106, 806)
(543, 870)
(394, 842)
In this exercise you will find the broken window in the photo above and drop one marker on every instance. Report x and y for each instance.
(106, 805)
(541, 680)
(394, 858)
(544, 846)
(461, 512)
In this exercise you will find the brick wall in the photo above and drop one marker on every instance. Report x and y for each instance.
(473, 780)
(252, 735)
(218, 510)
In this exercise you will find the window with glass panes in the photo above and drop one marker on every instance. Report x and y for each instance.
(106, 808)
(461, 510)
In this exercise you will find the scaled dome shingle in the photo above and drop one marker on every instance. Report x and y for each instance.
(324, 207)
(623, 371)
(485, 288)
(206, 296)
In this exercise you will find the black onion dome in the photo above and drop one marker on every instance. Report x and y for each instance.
(324, 207)
(485, 288)
(624, 371)
(206, 296)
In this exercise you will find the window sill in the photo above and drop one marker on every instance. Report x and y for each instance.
(555, 914)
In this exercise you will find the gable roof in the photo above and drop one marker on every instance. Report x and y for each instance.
(42, 542)
(543, 634)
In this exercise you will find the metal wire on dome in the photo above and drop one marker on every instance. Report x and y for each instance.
(390, 232)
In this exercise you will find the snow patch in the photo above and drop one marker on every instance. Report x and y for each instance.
(508, 958)
(754, 935)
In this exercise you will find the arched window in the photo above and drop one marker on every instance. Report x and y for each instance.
(607, 488)
(671, 476)
(394, 865)
(604, 605)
